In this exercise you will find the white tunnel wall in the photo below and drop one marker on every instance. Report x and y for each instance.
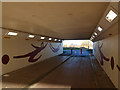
(109, 49)
(18, 45)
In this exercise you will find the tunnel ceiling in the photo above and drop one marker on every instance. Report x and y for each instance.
(65, 20)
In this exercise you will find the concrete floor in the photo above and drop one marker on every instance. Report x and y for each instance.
(60, 72)
(23, 77)
(77, 72)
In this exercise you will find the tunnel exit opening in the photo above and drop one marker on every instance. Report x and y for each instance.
(77, 47)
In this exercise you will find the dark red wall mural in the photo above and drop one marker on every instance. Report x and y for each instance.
(32, 54)
(102, 56)
(112, 63)
(54, 49)
(5, 59)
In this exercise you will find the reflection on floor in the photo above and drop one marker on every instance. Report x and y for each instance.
(57, 72)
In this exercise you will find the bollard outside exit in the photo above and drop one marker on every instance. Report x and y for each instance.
(71, 51)
(81, 51)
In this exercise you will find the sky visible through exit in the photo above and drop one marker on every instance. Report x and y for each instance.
(78, 43)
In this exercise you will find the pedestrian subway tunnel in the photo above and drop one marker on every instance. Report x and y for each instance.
(33, 50)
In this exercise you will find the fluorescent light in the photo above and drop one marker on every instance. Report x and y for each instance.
(59, 40)
(55, 39)
(93, 36)
(100, 29)
(111, 16)
(95, 33)
(12, 33)
(31, 36)
(42, 37)
(50, 38)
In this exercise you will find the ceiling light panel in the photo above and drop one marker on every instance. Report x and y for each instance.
(95, 34)
(31, 36)
(12, 34)
(111, 16)
(55, 39)
(100, 29)
(42, 38)
(50, 38)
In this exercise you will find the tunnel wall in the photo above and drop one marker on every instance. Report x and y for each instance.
(23, 52)
(106, 50)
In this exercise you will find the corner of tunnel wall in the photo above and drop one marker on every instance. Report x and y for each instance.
(119, 46)
(0, 57)
(19, 50)
(109, 49)
(0, 43)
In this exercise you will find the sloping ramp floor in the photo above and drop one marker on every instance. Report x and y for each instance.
(77, 72)
(60, 72)
(28, 75)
